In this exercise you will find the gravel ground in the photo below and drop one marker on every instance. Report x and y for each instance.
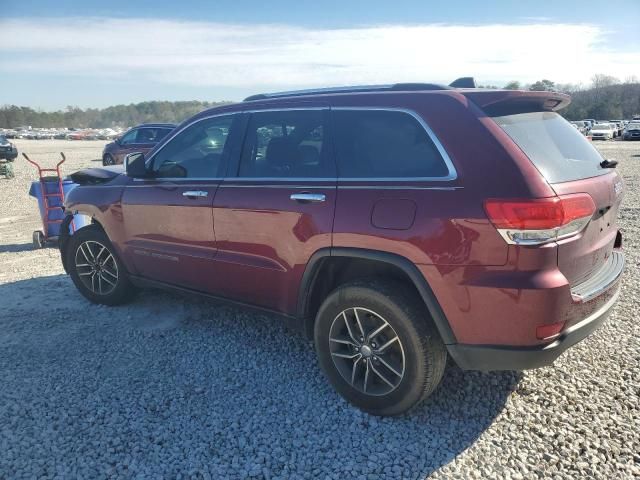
(179, 387)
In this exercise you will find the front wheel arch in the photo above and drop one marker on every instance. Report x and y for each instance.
(63, 240)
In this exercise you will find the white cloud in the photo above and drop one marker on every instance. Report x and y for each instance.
(281, 56)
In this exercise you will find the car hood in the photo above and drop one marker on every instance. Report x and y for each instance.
(97, 175)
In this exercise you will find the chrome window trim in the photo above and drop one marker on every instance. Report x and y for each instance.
(452, 173)
(285, 109)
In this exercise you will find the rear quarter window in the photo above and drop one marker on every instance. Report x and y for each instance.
(384, 144)
(559, 151)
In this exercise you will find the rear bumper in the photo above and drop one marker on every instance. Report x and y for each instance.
(481, 357)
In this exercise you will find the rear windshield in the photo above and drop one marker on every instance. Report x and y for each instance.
(558, 150)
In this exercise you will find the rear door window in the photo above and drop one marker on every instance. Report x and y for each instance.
(559, 151)
(286, 144)
(384, 144)
(151, 135)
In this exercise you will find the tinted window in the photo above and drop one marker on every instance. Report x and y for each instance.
(151, 135)
(286, 144)
(196, 152)
(129, 137)
(384, 144)
(557, 149)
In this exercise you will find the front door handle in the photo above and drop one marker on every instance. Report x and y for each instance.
(195, 194)
(308, 197)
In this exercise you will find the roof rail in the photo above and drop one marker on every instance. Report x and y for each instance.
(414, 87)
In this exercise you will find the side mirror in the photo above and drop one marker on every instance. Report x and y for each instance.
(135, 166)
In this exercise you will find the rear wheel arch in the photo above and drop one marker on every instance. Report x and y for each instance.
(331, 267)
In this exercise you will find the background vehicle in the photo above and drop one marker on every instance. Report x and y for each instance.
(603, 131)
(632, 131)
(8, 150)
(392, 248)
(139, 139)
(618, 125)
(581, 127)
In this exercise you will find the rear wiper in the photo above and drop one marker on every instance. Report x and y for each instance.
(608, 163)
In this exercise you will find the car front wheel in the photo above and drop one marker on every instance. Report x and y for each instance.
(107, 160)
(95, 268)
(378, 347)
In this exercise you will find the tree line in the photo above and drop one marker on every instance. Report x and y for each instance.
(605, 98)
(12, 116)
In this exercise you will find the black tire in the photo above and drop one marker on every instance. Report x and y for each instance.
(107, 160)
(107, 289)
(424, 354)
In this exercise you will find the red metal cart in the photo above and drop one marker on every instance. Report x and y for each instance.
(52, 200)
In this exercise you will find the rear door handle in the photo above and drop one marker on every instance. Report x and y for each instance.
(195, 193)
(308, 197)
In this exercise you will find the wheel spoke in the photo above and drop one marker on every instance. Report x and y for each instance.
(346, 321)
(382, 376)
(82, 265)
(377, 330)
(91, 272)
(386, 345)
(344, 342)
(106, 270)
(81, 248)
(93, 282)
(100, 253)
(366, 377)
(355, 312)
(344, 355)
(356, 362)
(384, 362)
(107, 280)
(99, 283)
(93, 257)
(106, 260)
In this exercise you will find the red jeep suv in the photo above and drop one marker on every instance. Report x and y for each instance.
(396, 225)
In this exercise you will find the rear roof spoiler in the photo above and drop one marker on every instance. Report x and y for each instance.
(463, 82)
(509, 102)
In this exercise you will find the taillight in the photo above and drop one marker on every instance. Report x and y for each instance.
(540, 220)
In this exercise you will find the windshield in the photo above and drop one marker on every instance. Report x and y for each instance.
(3, 139)
(633, 126)
(559, 151)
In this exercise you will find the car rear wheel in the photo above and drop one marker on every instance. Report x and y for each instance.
(107, 160)
(378, 347)
(95, 268)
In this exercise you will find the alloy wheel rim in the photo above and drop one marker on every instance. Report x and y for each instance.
(366, 351)
(96, 267)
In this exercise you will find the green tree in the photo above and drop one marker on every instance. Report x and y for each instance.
(543, 86)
